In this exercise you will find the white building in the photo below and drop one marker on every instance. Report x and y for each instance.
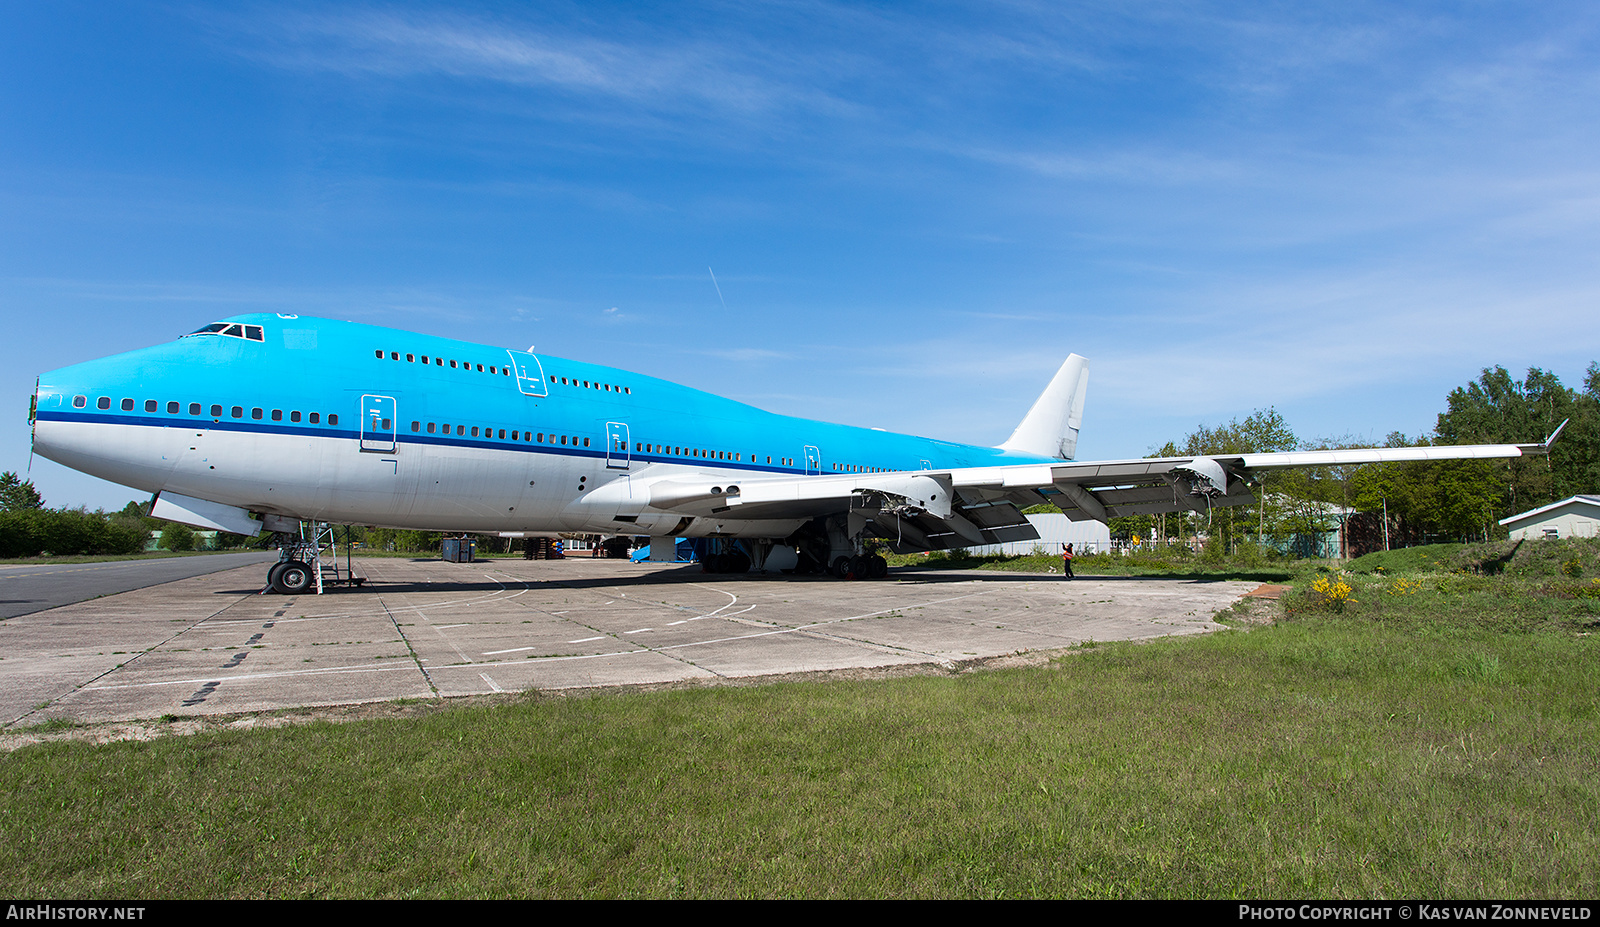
(1055, 531)
(1576, 517)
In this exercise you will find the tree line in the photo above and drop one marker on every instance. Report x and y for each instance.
(1405, 503)
(27, 528)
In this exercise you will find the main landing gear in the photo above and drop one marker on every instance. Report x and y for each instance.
(860, 566)
(837, 546)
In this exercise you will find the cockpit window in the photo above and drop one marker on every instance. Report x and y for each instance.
(232, 330)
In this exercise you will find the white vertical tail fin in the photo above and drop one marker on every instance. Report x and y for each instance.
(1050, 429)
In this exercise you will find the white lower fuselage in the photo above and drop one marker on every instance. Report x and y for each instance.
(417, 486)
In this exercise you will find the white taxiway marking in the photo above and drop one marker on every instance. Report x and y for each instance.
(492, 653)
(585, 640)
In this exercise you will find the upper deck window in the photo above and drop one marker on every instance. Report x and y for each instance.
(232, 330)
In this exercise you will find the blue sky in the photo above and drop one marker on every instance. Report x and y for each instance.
(912, 211)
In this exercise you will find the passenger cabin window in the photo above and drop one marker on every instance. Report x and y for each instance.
(79, 402)
(127, 405)
(104, 402)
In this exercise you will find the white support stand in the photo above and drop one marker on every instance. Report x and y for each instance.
(327, 551)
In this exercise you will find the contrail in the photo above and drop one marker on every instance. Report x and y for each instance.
(719, 289)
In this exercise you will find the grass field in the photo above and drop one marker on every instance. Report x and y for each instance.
(1433, 734)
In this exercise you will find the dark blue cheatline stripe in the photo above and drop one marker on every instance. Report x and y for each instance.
(202, 424)
(281, 428)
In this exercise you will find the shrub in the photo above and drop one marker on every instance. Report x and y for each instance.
(177, 537)
(61, 532)
(1328, 594)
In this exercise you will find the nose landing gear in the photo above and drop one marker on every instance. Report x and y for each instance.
(290, 577)
(301, 566)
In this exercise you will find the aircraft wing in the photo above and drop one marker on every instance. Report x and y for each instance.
(939, 509)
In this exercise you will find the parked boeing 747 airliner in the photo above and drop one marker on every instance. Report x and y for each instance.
(290, 418)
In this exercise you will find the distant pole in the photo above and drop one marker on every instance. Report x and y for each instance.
(1385, 523)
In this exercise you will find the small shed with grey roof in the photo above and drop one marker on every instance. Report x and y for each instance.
(1576, 517)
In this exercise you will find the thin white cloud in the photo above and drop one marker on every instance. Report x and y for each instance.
(676, 74)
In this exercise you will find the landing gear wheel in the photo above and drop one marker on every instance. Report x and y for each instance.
(272, 574)
(877, 567)
(293, 577)
(841, 567)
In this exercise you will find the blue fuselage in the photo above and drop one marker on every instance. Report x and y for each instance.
(346, 422)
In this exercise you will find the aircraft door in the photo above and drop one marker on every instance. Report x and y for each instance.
(377, 424)
(617, 447)
(813, 461)
(529, 372)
